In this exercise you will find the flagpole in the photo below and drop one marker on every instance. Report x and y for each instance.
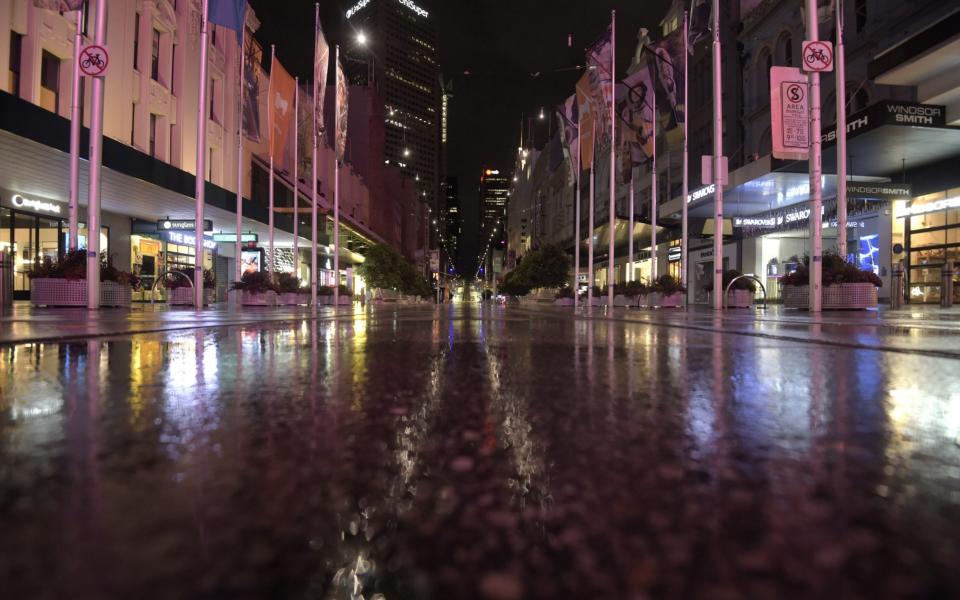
(296, 177)
(336, 189)
(313, 188)
(576, 222)
(816, 193)
(717, 156)
(76, 122)
(630, 273)
(96, 160)
(590, 225)
(239, 245)
(686, 154)
(653, 182)
(611, 272)
(273, 261)
(841, 68)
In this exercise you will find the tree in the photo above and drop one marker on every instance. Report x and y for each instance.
(546, 267)
(384, 267)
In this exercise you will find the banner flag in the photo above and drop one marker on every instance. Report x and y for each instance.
(305, 132)
(601, 79)
(668, 55)
(636, 120)
(251, 91)
(59, 5)
(321, 66)
(280, 105)
(569, 118)
(701, 12)
(587, 114)
(341, 116)
(228, 13)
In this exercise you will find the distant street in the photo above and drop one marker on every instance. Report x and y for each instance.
(472, 451)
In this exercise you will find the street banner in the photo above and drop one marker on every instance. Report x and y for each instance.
(228, 13)
(341, 125)
(601, 79)
(789, 113)
(251, 91)
(636, 120)
(669, 58)
(701, 13)
(321, 65)
(59, 5)
(305, 131)
(585, 110)
(281, 107)
(569, 118)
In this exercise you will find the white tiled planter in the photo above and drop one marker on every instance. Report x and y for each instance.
(840, 296)
(344, 300)
(183, 296)
(739, 299)
(293, 299)
(73, 292)
(621, 300)
(563, 302)
(258, 298)
(674, 300)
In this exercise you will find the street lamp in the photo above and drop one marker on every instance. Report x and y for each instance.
(362, 38)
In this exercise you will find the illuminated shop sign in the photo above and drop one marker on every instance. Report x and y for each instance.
(923, 209)
(408, 3)
(356, 7)
(185, 239)
(183, 225)
(702, 193)
(19, 201)
(414, 8)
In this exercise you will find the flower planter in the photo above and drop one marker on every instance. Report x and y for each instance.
(621, 300)
(563, 302)
(739, 299)
(293, 299)
(344, 300)
(73, 292)
(183, 296)
(258, 298)
(840, 296)
(674, 300)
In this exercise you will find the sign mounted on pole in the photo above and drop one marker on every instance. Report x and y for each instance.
(789, 113)
(817, 56)
(94, 60)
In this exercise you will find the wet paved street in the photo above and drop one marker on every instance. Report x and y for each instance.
(478, 452)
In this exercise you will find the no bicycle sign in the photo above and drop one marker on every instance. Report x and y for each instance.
(93, 60)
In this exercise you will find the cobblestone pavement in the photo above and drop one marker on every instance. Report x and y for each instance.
(479, 452)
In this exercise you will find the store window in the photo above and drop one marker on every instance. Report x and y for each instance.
(16, 53)
(932, 239)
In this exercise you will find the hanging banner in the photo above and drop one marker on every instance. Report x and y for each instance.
(342, 97)
(251, 90)
(569, 118)
(283, 88)
(636, 120)
(585, 110)
(601, 82)
(321, 64)
(669, 58)
(789, 112)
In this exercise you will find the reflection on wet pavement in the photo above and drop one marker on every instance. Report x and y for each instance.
(473, 452)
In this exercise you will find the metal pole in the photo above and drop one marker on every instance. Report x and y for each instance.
(238, 248)
(841, 84)
(76, 122)
(200, 178)
(314, 234)
(630, 273)
(576, 224)
(717, 155)
(684, 233)
(96, 161)
(613, 159)
(336, 198)
(816, 168)
(296, 177)
(653, 187)
(590, 223)
(273, 260)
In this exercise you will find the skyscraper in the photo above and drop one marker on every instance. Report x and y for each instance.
(494, 190)
(452, 231)
(400, 43)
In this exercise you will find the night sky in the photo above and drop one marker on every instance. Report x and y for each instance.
(506, 58)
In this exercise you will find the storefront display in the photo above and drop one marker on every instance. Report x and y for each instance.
(154, 252)
(931, 233)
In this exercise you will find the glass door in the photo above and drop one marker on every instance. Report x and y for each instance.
(25, 253)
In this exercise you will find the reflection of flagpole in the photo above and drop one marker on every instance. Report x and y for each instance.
(239, 245)
(653, 180)
(76, 121)
(270, 103)
(611, 273)
(296, 177)
(336, 187)
(686, 153)
(576, 219)
(313, 189)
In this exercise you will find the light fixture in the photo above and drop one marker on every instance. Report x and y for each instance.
(362, 40)
(406, 152)
(542, 116)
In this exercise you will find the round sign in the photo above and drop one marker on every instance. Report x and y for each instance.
(796, 92)
(94, 60)
(817, 56)
(898, 248)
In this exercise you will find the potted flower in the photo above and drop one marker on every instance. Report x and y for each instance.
(667, 292)
(290, 290)
(179, 287)
(63, 282)
(564, 297)
(741, 294)
(257, 288)
(845, 286)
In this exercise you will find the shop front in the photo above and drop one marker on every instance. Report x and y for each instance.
(155, 251)
(929, 227)
(32, 229)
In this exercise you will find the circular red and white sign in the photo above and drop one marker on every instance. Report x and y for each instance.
(817, 56)
(94, 60)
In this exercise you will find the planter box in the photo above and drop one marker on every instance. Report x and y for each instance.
(73, 292)
(563, 302)
(739, 299)
(840, 296)
(258, 298)
(183, 296)
(293, 299)
(674, 300)
(344, 300)
(621, 300)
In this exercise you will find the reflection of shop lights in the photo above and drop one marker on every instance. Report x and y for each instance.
(923, 209)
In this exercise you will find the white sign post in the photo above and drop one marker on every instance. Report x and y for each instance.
(789, 113)
(817, 56)
(94, 60)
